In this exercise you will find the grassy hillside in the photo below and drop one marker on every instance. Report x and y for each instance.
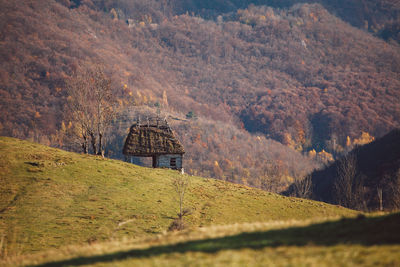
(51, 198)
(361, 241)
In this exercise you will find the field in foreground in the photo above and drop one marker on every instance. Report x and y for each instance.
(52, 198)
(360, 241)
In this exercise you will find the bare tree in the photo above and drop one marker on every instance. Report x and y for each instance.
(78, 89)
(104, 105)
(181, 184)
(303, 186)
(394, 190)
(344, 182)
(92, 106)
(380, 197)
(269, 180)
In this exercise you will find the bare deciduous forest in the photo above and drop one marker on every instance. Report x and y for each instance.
(271, 92)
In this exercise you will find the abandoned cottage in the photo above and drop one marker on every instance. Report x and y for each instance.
(154, 138)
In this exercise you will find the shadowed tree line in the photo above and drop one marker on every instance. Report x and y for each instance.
(367, 178)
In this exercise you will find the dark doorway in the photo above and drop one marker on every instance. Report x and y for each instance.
(172, 163)
(154, 161)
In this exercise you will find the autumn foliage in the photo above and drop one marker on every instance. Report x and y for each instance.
(295, 74)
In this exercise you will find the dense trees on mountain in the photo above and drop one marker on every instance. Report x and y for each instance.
(380, 17)
(298, 75)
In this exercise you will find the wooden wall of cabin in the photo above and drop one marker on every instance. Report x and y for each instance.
(172, 161)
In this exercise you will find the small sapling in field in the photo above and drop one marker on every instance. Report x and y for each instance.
(181, 184)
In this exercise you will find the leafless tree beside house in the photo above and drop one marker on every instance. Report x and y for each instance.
(91, 104)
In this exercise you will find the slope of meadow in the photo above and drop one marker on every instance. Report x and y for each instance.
(361, 241)
(51, 198)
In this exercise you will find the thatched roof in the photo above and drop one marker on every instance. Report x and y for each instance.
(151, 137)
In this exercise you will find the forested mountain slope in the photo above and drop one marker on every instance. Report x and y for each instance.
(298, 75)
(378, 16)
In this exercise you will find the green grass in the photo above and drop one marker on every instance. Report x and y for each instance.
(51, 198)
(361, 241)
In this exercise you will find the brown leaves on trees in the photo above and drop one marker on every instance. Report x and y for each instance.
(297, 72)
